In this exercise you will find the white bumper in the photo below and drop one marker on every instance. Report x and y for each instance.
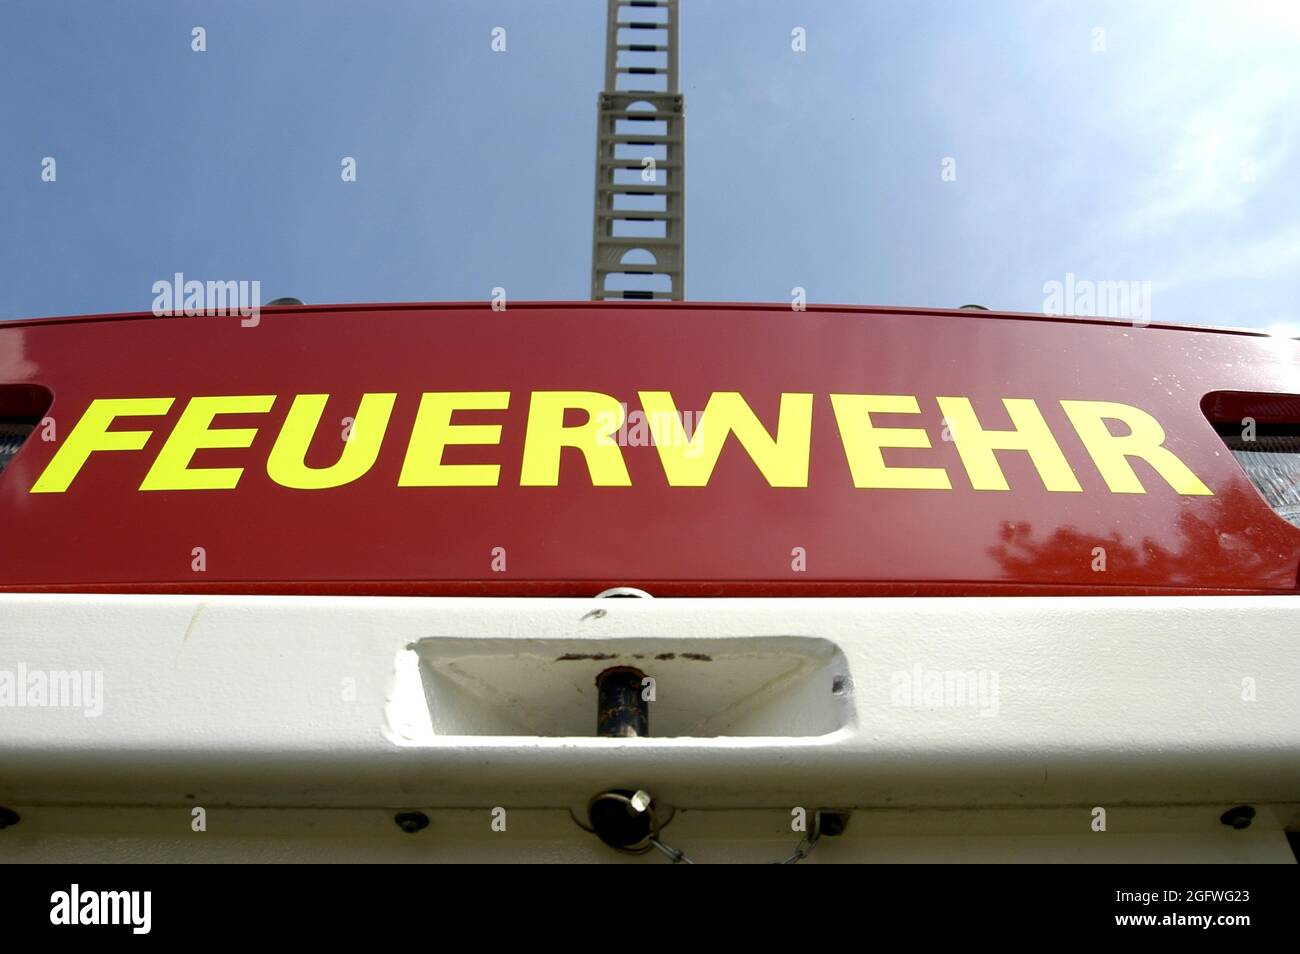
(1008, 721)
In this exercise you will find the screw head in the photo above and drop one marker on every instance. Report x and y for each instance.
(1238, 817)
(411, 822)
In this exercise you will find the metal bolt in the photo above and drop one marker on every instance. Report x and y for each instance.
(1238, 817)
(411, 822)
(616, 819)
(621, 711)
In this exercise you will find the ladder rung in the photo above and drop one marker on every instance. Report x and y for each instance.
(643, 47)
(622, 268)
(651, 270)
(638, 189)
(637, 241)
(636, 164)
(639, 139)
(638, 215)
(642, 25)
(641, 70)
(631, 295)
(619, 268)
(674, 276)
(667, 98)
(639, 116)
(624, 98)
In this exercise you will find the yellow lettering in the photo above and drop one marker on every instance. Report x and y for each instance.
(171, 470)
(433, 431)
(863, 441)
(287, 463)
(546, 435)
(92, 434)
(1031, 434)
(689, 463)
(1144, 440)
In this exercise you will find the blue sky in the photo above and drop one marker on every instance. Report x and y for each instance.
(1169, 156)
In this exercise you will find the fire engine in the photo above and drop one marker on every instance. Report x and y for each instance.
(399, 582)
(939, 611)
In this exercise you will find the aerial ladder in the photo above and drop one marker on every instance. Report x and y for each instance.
(638, 232)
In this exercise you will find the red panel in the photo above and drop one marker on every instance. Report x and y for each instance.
(734, 536)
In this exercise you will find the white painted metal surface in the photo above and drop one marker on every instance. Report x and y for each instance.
(304, 723)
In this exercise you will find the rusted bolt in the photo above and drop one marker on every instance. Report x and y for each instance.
(621, 710)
